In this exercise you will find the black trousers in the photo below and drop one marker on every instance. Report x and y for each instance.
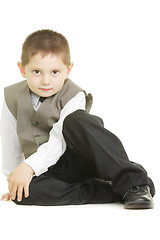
(94, 168)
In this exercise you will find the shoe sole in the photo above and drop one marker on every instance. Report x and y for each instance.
(139, 206)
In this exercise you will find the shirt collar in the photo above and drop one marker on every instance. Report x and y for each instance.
(35, 100)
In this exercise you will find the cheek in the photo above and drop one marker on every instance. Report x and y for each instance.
(58, 83)
(32, 83)
(61, 84)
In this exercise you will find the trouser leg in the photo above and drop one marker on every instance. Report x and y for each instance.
(86, 134)
(45, 190)
(73, 180)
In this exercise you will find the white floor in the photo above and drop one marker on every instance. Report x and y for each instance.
(101, 221)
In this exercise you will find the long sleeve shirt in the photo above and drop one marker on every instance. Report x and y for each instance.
(48, 153)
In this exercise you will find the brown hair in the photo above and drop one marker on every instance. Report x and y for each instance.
(45, 41)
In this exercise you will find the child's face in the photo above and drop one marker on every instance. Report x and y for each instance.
(45, 76)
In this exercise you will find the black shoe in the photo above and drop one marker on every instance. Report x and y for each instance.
(138, 197)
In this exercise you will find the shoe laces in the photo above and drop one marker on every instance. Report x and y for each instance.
(135, 189)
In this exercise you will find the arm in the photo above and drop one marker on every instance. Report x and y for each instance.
(49, 153)
(12, 155)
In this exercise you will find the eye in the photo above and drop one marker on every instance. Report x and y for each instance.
(37, 72)
(55, 72)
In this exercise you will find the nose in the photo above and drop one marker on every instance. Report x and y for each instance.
(45, 80)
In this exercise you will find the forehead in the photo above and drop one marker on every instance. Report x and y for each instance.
(46, 61)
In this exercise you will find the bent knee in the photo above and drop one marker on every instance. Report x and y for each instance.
(71, 119)
(81, 118)
(75, 115)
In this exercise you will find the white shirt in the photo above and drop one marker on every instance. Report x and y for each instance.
(48, 153)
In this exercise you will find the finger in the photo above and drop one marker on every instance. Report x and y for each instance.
(19, 193)
(13, 192)
(3, 197)
(7, 196)
(10, 185)
(26, 191)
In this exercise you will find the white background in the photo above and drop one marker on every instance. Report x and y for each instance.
(115, 47)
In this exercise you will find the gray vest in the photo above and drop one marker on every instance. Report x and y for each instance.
(33, 127)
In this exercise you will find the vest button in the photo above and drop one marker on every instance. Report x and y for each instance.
(35, 123)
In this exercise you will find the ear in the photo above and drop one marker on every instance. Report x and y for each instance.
(69, 69)
(21, 69)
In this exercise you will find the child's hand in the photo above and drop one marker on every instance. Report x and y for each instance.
(6, 197)
(19, 180)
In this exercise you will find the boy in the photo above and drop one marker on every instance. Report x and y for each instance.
(54, 151)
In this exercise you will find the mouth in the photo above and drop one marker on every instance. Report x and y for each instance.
(45, 89)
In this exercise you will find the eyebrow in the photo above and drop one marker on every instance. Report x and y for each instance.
(53, 69)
